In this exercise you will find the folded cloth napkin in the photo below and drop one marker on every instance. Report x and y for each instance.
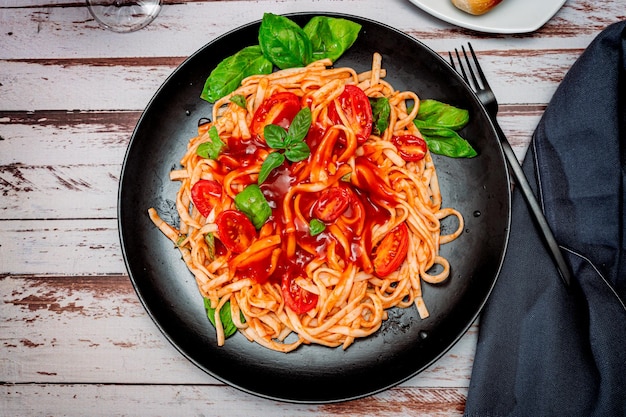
(544, 350)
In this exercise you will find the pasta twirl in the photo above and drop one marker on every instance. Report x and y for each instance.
(373, 200)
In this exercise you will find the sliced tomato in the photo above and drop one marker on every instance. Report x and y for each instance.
(279, 109)
(332, 203)
(297, 298)
(411, 148)
(235, 230)
(391, 251)
(205, 195)
(357, 109)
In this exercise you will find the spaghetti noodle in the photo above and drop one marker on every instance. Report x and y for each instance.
(376, 206)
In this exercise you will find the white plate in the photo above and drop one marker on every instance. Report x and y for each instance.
(510, 16)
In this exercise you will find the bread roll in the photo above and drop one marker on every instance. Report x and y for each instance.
(476, 7)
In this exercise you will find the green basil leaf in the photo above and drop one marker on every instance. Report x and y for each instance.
(435, 113)
(209, 238)
(275, 136)
(213, 147)
(283, 42)
(299, 127)
(273, 160)
(239, 100)
(330, 37)
(253, 204)
(381, 111)
(447, 142)
(316, 227)
(298, 151)
(225, 317)
(227, 76)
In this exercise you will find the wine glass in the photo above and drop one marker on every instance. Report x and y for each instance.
(124, 15)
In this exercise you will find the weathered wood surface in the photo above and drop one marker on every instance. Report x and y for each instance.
(74, 338)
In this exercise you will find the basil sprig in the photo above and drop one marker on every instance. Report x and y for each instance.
(330, 37)
(439, 123)
(316, 227)
(229, 73)
(212, 148)
(253, 204)
(284, 44)
(291, 142)
(239, 100)
(225, 317)
(381, 111)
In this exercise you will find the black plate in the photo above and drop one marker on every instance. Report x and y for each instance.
(405, 345)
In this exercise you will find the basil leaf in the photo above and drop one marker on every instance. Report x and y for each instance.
(227, 76)
(330, 37)
(447, 142)
(298, 151)
(299, 127)
(381, 111)
(209, 238)
(253, 204)
(275, 136)
(435, 113)
(273, 160)
(283, 42)
(316, 227)
(225, 317)
(239, 100)
(212, 148)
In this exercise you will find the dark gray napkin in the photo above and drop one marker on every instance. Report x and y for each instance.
(544, 350)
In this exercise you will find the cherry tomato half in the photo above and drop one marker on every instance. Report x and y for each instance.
(357, 109)
(391, 251)
(205, 195)
(279, 109)
(332, 203)
(235, 230)
(297, 298)
(411, 148)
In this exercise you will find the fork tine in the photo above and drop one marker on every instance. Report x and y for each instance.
(469, 67)
(452, 61)
(483, 79)
(461, 66)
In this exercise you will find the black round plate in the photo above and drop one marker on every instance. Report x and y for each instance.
(405, 345)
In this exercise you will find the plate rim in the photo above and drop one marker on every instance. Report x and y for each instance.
(505, 25)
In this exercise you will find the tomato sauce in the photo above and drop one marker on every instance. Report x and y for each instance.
(368, 194)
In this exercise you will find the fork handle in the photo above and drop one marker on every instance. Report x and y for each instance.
(531, 200)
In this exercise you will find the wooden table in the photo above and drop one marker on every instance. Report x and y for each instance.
(74, 338)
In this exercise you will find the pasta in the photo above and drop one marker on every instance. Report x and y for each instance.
(378, 206)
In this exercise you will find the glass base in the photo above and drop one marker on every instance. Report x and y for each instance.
(124, 15)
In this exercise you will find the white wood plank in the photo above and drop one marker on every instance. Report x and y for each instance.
(215, 401)
(94, 330)
(118, 87)
(45, 138)
(60, 247)
(59, 191)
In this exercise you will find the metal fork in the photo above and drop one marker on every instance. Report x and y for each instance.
(488, 99)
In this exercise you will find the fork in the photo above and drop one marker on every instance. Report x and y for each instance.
(488, 99)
